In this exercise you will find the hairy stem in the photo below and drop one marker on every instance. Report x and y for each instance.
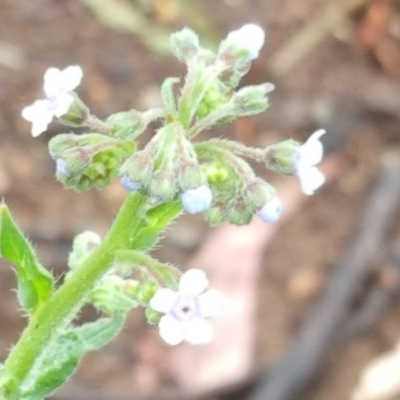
(68, 299)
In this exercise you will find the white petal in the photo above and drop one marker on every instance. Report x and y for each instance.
(163, 300)
(197, 200)
(197, 331)
(63, 103)
(39, 107)
(71, 78)
(211, 303)
(312, 151)
(39, 126)
(193, 282)
(171, 330)
(250, 37)
(52, 82)
(311, 178)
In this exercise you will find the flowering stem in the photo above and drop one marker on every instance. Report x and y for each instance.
(98, 125)
(65, 303)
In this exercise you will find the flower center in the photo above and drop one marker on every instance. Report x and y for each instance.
(185, 308)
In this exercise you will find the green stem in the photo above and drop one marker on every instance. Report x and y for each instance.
(68, 299)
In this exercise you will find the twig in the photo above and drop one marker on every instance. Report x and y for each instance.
(320, 332)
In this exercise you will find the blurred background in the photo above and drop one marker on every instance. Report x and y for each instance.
(314, 299)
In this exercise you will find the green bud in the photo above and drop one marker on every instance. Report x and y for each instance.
(138, 168)
(184, 45)
(238, 213)
(214, 99)
(77, 113)
(84, 244)
(215, 172)
(89, 160)
(215, 215)
(114, 295)
(280, 157)
(191, 175)
(251, 100)
(145, 290)
(152, 316)
(168, 95)
(163, 184)
(257, 194)
(128, 125)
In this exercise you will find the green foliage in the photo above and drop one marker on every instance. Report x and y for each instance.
(62, 356)
(35, 283)
(154, 222)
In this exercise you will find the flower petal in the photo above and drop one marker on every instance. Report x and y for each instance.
(71, 77)
(193, 282)
(250, 37)
(171, 330)
(312, 151)
(311, 178)
(197, 331)
(163, 300)
(52, 82)
(211, 303)
(63, 103)
(39, 114)
(39, 107)
(271, 211)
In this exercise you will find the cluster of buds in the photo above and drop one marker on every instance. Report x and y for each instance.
(211, 177)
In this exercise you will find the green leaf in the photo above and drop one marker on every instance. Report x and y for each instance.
(35, 283)
(154, 223)
(62, 357)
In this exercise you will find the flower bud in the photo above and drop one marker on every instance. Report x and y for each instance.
(215, 215)
(184, 44)
(61, 168)
(128, 125)
(114, 295)
(145, 290)
(163, 184)
(215, 172)
(249, 39)
(136, 170)
(90, 160)
(77, 113)
(197, 200)
(130, 186)
(271, 211)
(152, 316)
(238, 213)
(251, 100)
(84, 244)
(281, 157)
(190, 175)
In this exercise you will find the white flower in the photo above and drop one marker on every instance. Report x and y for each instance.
(197, 200)
(185, 310)
(305, 160)
(271, 211)
(250, 37)
(57, 87)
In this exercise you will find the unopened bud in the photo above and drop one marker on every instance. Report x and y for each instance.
(184, 44)
(77, 113)
(197, 200)
(130, 186)
(84, 244)
(271, 211)
(251, 100)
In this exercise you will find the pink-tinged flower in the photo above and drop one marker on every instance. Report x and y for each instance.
(186, 310)
(271, 211)
(197, 200)
(305, 160)
(250, 37)
(57, 87)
